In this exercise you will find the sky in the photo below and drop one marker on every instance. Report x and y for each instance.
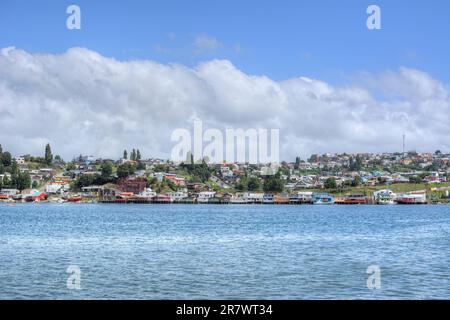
(137, 70)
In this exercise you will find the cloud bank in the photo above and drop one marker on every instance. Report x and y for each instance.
(83, 102)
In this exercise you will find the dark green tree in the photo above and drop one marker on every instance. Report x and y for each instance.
(253, 184)
(6, 182)
(23, 181)
(125, 170)
(106, 170)
(330, 183)
(48, 155)
(138, 155)
(141, 166)
(356, 181)
(6, 159)
(125, 154)
(297, 163)
(273, 183)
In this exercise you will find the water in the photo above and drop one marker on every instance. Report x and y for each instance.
(224, 252)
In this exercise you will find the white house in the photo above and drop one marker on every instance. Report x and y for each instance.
(19, 160)
(251, 197)
(204, 196)
(56, 188)
(178, 195)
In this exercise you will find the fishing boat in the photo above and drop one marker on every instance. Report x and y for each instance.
(322, 198)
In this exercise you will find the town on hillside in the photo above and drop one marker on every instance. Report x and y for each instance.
(365, 178)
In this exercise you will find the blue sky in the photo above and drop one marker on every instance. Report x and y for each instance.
(327, 40)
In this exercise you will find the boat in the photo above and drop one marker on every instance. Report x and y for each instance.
(4, 197)
(322, 198)
(74, 199)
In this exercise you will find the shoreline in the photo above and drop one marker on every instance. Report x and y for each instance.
(218, 204)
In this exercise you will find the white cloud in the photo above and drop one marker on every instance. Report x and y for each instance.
(204, 43)
(82, 102)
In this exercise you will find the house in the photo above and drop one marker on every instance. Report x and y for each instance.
(148, 193)
(10, 192)
(54, 188)
(178, 195)
(91, 191)
(109, 192)
(204, 196)
(20, 160)
(250, 197)
(134, 185)
(180, 182)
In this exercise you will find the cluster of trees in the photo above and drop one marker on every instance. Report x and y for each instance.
(273, 183)
(135, 155)
(199, 172)
(248, 184)
(5, 160)
(356, 164)
(125, 170)
(19, 180)
(164, 186)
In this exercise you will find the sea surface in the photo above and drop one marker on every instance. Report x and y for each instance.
(223, 252)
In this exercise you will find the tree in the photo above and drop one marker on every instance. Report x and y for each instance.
(14, 168)
(86, 180)
(273, 184)
(138, 155)
(415, 179)
(356, 181)
(297, 163)
(330, 183)
(23, 181)
(133, 155)
(125, 170)
(35, 184)
(1, 183)
(71, 166)
(125, 154)
(253, 184)
(6, 182)
(48, 155)
(141, 166)
(2, 168)
(106, 169)
(6, 159)
(356, 164)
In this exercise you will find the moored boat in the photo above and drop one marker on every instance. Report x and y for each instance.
(322, 198)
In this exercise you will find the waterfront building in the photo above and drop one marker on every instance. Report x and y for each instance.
(384, 197)
(204, 196)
